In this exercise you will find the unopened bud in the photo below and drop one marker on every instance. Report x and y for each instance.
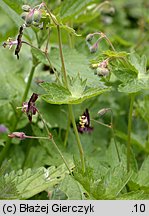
(94, 48)
(29, 18)
(37, 16)
(24, 15)
(26, 8)
(103, 111)
(89, 37)
(100, 71)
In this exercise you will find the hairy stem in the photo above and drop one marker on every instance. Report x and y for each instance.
(77, 137)
(67, 130)
(114, 136)
(53, 142)
(129, 131)
(29, 82)
(70, 106)
(62, 57)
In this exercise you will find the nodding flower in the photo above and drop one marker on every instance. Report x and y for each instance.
(10, 43)
(17, 42)
(29, 107)
(19, 135)
(84, 123)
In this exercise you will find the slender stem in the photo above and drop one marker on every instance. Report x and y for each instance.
(107, 39)
(45, 125)
(33, 137)
(114, 137)
(113, 131)
(69, 105)
(50, 137)
(29, 82)
(71, 36)
(129, 131)
(14, 109)
(47, 43)
(71, 45)
(67, 130)
(77, 137)
(55, 72)
(5, 150)
(53, 18)
(25, 42)
(147, 142)
(52, 140)
(101, 123)
(61, 56)
(101, 5)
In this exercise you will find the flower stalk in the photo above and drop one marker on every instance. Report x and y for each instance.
(132, 99)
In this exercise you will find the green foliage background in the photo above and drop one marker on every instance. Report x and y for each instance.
(32, 169)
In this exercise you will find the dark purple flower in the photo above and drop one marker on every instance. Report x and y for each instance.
(84, 123)
(29, 107)
(17, 42)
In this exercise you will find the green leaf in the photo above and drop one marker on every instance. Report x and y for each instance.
(134, 195)
(115, 181)
(134, 86)
(8, 189)
(75, 62)
(31, 182)
(57, 94)
(143, 174)
(72, 188)
(13, 15)
(12, 87)
(16, 17)
(69, 30)
(139, 63)
(133, 74)
(73, 7)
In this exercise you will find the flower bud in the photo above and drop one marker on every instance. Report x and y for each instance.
(103, 111)
(100, 71)
(26, 8)
(89, 37)
(24, 15)
(29, 18)
(19, 135)
(94, 48)
(37, 16)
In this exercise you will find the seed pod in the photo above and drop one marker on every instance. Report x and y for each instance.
(26, 8)
(100, 71)
(24, 15)
(37, 16)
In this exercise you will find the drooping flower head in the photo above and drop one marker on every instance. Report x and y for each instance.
(18, 42)
(19, 135)
(29, 107)
(84, 123)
